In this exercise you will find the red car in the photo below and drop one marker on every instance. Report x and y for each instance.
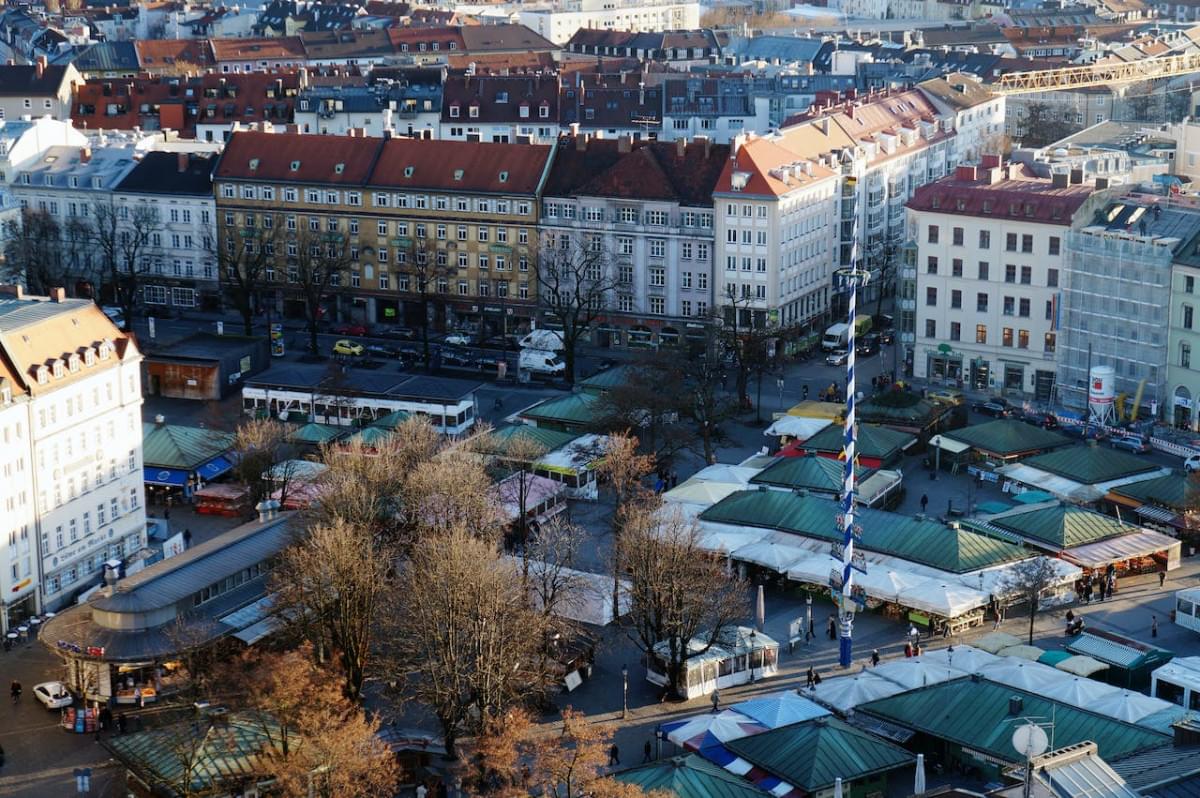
(350, 329)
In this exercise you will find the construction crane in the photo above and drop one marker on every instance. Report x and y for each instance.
(1107, 74)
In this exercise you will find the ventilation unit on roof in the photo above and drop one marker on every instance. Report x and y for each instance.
(295, 166)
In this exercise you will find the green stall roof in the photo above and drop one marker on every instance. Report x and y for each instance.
(176, 446)
(874, 441)
(547, 439)
(1089, 465)
(316, 433)
(1007, 437)
(918, 414)
(928, 542)
(809, 472)
(1063, 526)
(976, 713)
(606, 380)
(811, 755)
(578, 409)
(1170, 490)
(371, 436)
(689, 776)
(391, 421)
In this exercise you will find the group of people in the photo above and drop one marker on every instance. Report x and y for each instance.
(1102, 584)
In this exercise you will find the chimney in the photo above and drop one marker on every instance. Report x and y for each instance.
(40, 63)
(58, 294)
(160, 420)
(1076, 177)
(625, 143)
(707, 145)
(85, 154)
(989, 161)
(181, 162)
(641, 92)
(1016, 705)
(12, 290)
(1059, 180)
(965, 172)
(574, 127)
(680, 147)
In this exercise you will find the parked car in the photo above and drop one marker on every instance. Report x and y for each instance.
(347, 347)
(459, 359)
(1039, 419)
(948, 396)
(382, 351)
(1131, 443)
(837, 358)
(887, 337)
(401, 333)
(991, 408)
(457, 339)
(1192, 463)
(868, 345)
(54, 695)
(350, 329)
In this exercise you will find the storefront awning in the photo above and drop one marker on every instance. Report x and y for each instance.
(214, 467)
(168, 477)
(1159, 514)
(1118, 549)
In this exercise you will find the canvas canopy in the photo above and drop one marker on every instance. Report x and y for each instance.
(1124, 547)
(947, 599)
(1081, 665)
(847, 692)
(992, 642)
(800, 427)
(913, 673)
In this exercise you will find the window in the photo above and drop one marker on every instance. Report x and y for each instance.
(955, 331)
(1022, 339)
(658, 247)
(933, 234)
(931, 265)
(1010, 242)
(1055, 245)
(983, 270)
(658, 277)
(931, 297)
(1006, 336)
(981, 333)
(956, 299)
(956, 267)
(1049, 344)
(1189, 284)
(1187, 317)
(657, 305)
(1052, 278)
(981, 302)
(1010, 273)
(1027, 243)
(958, 236)
(930, 328)
(1023, 308)
(985, 239)
(1010, 306)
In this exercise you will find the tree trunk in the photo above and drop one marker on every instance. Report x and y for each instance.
(569, 345)
(425, 334)
(1033, 608)
(247, 314)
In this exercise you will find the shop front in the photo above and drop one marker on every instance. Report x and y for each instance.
(981, 375)
(1183, 418)
(942, 365)
(1014, 377)
(19, 611)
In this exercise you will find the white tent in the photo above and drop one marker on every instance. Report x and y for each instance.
(847, 692)
(585, 597)
(947, 599)
(797, 427)
(1080, 692)
(702, 491)
(913, 673)
(722, 472)
(769, 554)
(964, 658)
(1128, 706)
(1023, 674)
(724, 539)
(886, 584)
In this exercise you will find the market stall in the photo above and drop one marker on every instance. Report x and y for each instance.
(574, 465)
(739, 656)
(227, 499)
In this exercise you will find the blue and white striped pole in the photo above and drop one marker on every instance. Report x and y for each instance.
(846, 627)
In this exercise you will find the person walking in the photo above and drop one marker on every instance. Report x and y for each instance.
(1162, 578)
(15, 691)
(614, 755)
(810, 679)
(716, 701)
(924, 501)
(832, 628)
(647, 753)
(874, 658)
(1153, 626)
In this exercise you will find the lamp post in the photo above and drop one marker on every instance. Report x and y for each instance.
(624, 691)
(808, 615)
(753, 643)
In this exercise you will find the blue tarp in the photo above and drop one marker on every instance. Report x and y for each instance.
(214, 467)
(171, 477)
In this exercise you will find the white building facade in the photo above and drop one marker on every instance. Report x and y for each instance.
(558, 21)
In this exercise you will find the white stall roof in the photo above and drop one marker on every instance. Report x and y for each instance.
(1124, 547)
(797, 427)
(847, 692)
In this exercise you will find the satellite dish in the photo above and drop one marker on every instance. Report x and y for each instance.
(1030, 740)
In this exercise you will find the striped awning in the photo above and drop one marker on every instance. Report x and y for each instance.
(1156, 514)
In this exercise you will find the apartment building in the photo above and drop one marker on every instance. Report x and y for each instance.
(1183, 340)
(182, 268)
(500, 108)
(649, 206)
(775, 236)
(977, 114)
(70, 416)
(558, 20)
(37, 89)
(21, 143)
(717, 108)
(983, 294)
(460, 217)
(407, 101)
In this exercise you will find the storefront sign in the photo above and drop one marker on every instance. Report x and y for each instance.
(1183, 401)
(24, 583)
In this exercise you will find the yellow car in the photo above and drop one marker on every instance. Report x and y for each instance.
(347, 347)
(948, 396)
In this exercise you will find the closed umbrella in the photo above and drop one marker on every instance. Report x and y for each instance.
(919, 781)
(837, 787)
(760, 612)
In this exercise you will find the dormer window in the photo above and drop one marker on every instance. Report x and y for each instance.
(501, 96)
(408, 171)
(43, 375)
(295, 166)
(339, 168)
(253, 164)
(89, 356)
(73, 363)
(473, 111)
(524, 111)
(504, 177)
(458, 174)
(454, 111)
(6, 395)
(544, 111)
(105, 350)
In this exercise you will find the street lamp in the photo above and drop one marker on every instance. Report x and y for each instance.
(624, 691)
(808, 616)
(753, 643)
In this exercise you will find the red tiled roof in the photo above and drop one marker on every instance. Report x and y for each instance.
(157, 54)
(343, 160)
(414, 37)
(674, 171)
(503, 63)
(531, 91)
(289, 47)
(461, 166)
(756, 158)
(1017, 194)
(181, 103)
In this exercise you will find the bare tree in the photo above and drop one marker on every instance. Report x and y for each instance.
(521, 454)
(330, 584)
(706, 405)
(123, 236)
(462, 635)
(652, 402)
(33, 251)
(624, 467)
(242, 267)
(745, 337)
(427, 268)
(575, 282)
(1027, 582)
(549, 569)
(450, 492)
(263, 463)
(681, 601)
(317, 266)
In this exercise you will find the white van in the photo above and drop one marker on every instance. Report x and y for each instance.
(545, 340)
(835, 337)
(538, 361)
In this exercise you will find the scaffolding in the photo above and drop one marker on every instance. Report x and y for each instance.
(1115, 299)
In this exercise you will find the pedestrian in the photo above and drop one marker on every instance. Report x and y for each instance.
(831, 628)
(913, 633)
(137, 697)
(924, 501)
(908, 650)
(716, 701)
(811, 677)
(812, 632)
(816, 680)
(874, 658)
(1100, 589)
(121, 723)
(1162, 578)
(674, 478)
(1153, 626)
(804, 393)
(15, 690)
(187, 538)
(614, 755)
(916, 649)
(945, 629)
(647, 751)
(106, 718)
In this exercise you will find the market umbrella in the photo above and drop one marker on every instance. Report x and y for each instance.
(847, 692)
(760, 610)
(1022, 674)
(1081, 665)
(1128, 706)
(837, 787)
(919, 781)
(703, 731)
(992, 642)
(913, 673)
(768, 554)
(1031, 653)
(886, 585)
(1080, 692)
(1052, 658)
(781, 709)
(967, 659)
